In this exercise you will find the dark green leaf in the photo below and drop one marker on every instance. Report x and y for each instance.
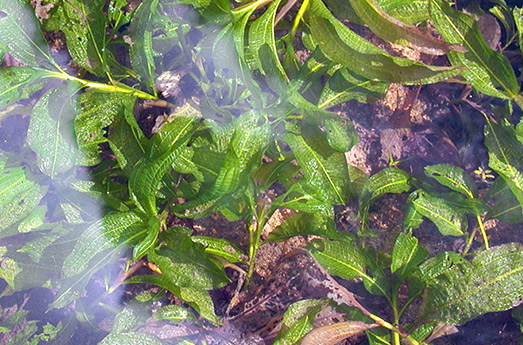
(450, 219)
(492, 281)
(453, 177)
(20, 32)
(389, 180)
(50, 132)
(342, 45)
(486, 70)
(406, 254)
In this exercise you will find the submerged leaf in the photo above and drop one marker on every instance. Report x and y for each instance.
(333, 334)
(406, 254)
(492, 281)
(343, 46)
(298, 320)
(453, 177)
(20, 32)
(50, 132)
(13, 83)
(486, 70)
(391, 29)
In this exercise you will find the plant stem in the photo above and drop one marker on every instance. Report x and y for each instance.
(101, 86)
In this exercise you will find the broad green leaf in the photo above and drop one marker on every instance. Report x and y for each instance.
(152, 231)
(146, 176)
(344, 86)
(220, 247)
(448, 217)
(347, 261)
(518, 20)
(141, 44)
(126, 142)
(50, 132)
(97, 110)
(262, 33)
(393, 30)
(343, 46)
(389, 180)
(492, 281)
(20, 32)
(486, 70)
(84, 24)
(277, 170)
(250, 139)
(14, 82)
(19, 196)
(298, 320)
(199, 299)
(505, 155)
(175, 314)
(112, 229)
(325, 170)
(453, 177)
(410, 12)
(185, 266)
(304, 224)
(406, 254)
(506, 207)
(341, 134)
(299, 197)
(131, 338)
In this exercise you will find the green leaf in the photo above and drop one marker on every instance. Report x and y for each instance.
(406, 254)
(492, 281)
(393, 30)
(199, 299)
(97, 110)
(20, 32)
(50, 132)
(448, 217)
(347, 261)
(341, 134)
(112, 229)
(505, 155)
(146, 176)
(325, 170)
(84, 24)
(486, 70)
(343, 46)
(175, 314)
(14, 82)
(300, 197)
(453, 177)
(185, 266)
(298, 320)
(518, 20)
(304, 224)
(131, 338)
(405, 10)
(19, 196)
(344, 86)
(262, 34)
(389, 180)
(126, 142)
(506, 207)
(220, 247)
(141, 45)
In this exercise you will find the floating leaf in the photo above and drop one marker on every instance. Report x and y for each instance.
(490, 282)
(486, 70)
(50, 132)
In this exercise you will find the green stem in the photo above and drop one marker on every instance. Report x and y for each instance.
(483, 231)
(394, 304)
(100, 86)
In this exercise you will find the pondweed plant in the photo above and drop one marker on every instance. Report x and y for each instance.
(87, 186)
